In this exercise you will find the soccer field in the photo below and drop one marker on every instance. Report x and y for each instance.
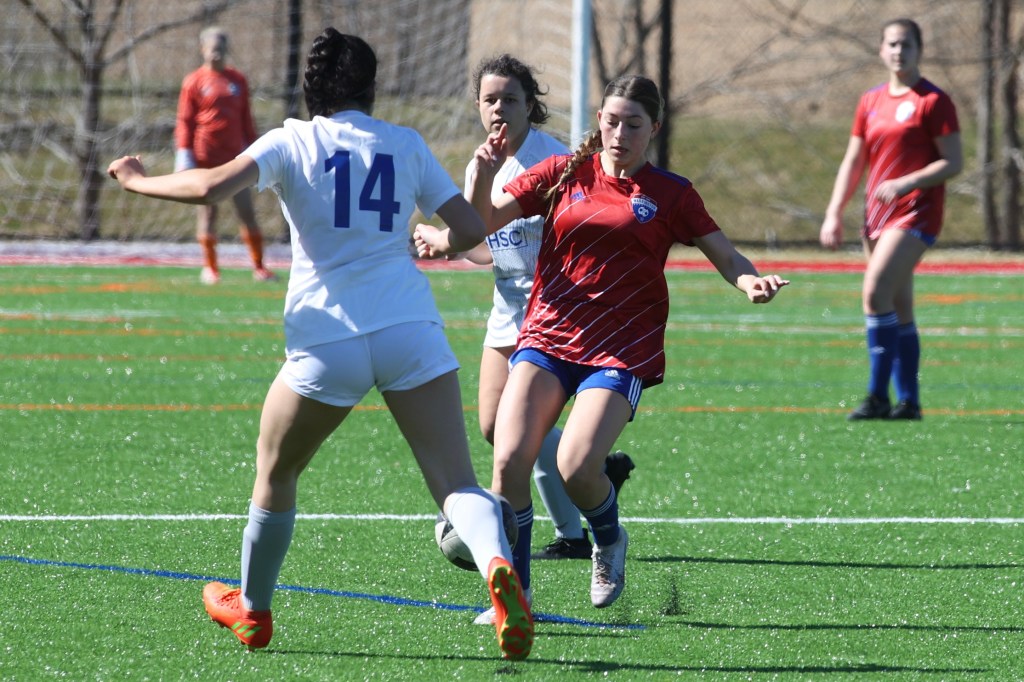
(770, 538)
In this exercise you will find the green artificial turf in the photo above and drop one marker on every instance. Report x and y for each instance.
(770, 538)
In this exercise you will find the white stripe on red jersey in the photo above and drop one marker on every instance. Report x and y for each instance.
(600, 297)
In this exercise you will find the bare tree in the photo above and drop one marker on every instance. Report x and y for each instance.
(291, 78)
(1011, 138)
(631, 60)
(987, 124)
(88, 48)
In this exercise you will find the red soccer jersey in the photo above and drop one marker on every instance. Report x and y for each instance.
(599, 295)
(214, 119)
(899, 135)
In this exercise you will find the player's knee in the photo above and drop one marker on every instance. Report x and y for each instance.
(487, 431)
(513, 467)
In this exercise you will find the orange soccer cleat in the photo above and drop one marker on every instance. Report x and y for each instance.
(512, 617)
(224, 604)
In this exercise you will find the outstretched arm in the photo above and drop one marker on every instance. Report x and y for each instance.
(736, 269)
(197, 186)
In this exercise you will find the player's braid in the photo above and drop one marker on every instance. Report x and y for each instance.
(591, 143)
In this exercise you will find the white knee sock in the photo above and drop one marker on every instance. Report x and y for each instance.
(264, 545)
(563, 512)
(476, 517)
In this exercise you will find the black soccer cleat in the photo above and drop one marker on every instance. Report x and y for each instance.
(567, 548)
(617, 467)
(906, 410)
(873, 407)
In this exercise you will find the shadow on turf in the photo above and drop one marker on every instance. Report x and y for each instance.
(826, 564)
(850, 626)
(510, 668)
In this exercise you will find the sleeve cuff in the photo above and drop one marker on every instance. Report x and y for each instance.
(184, 160)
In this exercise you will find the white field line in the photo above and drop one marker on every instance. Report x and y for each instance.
(755, 520)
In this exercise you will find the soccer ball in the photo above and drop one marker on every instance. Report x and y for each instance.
(456, 551)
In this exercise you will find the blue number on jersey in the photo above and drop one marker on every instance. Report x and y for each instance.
(381, 174)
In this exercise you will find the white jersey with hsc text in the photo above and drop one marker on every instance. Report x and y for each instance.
(515, 246)
(348, 186)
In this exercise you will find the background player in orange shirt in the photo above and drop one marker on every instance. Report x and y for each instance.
(214, 125)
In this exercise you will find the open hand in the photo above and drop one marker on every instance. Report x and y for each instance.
(764, 288)
(831, 236)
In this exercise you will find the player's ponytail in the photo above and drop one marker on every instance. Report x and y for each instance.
(341, 73)
(590, 144)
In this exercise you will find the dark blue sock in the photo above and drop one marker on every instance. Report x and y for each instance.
(883, 339)
(907, 364)
(604, 520)
(521, 552)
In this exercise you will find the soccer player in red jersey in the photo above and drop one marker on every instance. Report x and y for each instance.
(905, 134)
(214, 124)
(595, 322)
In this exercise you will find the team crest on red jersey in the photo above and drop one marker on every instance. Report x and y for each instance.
(644, 208)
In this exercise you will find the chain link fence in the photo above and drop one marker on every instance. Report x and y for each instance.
(761, 98)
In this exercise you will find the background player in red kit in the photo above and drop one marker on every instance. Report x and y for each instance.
(214, 125)
(595, 323)
(905, 133)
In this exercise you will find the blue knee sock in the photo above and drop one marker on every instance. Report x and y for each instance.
(604, 520)
(883, 340)
(521, 552)
(907, 364)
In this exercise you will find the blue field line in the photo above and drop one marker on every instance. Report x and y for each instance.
(379, 598)
(645, 520)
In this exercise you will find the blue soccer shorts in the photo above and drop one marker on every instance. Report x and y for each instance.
(576, 378)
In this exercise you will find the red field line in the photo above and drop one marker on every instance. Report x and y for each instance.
(926, 267)
(791, 266)
(941, 264)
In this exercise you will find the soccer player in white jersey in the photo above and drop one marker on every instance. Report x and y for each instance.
(358, 315)
(595, 325)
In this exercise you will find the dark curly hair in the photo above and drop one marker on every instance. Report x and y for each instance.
(341, 71)
(508, 66)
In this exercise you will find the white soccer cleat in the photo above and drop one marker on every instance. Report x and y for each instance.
(487, 617)
(209, 276)
(609, 572)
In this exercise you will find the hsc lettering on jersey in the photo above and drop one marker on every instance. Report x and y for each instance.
(506, 239)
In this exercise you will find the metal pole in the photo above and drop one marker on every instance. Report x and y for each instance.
(580, 115)
(665, 85)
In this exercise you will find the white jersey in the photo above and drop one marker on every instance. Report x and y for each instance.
(514, 248)
(348, 186)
